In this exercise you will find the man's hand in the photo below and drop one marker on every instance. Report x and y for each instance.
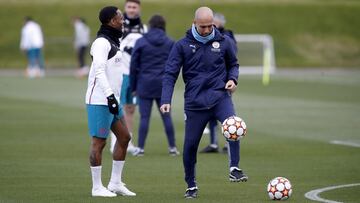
(165, 108)
(230, 85)
(113, 105)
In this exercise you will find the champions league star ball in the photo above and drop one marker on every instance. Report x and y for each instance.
(279, 188)
(233, 128)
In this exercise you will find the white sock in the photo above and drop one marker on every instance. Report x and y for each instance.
(116, 172)
(130, 144)
(233, 167)
(96, 177)
(113, 141)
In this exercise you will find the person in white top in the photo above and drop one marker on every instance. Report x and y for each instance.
(81, 43)
(133, 30)
(31, 43)
(102, 103)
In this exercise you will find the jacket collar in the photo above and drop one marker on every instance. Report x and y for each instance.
(218, 36)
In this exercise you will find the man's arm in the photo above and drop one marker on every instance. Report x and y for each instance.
(135, 66)
(231, 62)
(100, 50)
(172, 69)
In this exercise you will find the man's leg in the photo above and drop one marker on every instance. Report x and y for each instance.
(195, 121)
(122, 139)
(129, 105)
(82, 70)
(99, 120)
(145, 106)
(213, 146)
(31, 68)
(81, 56)
(40, 62)
(169, 130)
(213, 137)
(97, 145)
(223, 110)
(129, 115)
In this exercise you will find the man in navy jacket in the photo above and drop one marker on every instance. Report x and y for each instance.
(146, 71)
(210, 71)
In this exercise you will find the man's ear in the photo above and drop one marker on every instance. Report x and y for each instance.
(112, 21)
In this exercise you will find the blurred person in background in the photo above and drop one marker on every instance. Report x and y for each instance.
(146, 71)
(102, 104)
(133, 30)
(32, 42)
(210, 71)
(81, 43)
(219, 22)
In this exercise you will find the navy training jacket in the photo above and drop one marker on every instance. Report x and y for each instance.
(205, 68)
(148, 60)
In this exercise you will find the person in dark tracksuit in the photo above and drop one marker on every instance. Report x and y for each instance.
(219, 22)
(146, 70)
(210, 71)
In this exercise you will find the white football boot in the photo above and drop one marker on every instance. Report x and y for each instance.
(102, 192)
(120, 189)
(132, 148)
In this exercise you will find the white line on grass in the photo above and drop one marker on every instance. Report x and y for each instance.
(314, 194)
(346, 143)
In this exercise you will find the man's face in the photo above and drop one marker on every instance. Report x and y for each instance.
(117, 21)
(132, 10)
(204, 26)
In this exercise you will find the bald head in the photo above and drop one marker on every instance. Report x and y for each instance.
(204, 20)
(203, 13)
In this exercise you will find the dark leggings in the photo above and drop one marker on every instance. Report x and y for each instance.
(81, 55)
(145, 106)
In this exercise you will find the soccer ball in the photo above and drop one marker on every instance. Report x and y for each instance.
(233, 128)
(279, 188)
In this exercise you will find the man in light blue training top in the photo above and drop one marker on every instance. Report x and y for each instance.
(102, 103)
(210, 71)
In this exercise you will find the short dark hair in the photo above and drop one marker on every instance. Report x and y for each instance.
(107, 13)
(134, 1)
(157, 21)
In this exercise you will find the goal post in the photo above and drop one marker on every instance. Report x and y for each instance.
(256, 55)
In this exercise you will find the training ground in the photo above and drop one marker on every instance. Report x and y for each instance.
(292, 126)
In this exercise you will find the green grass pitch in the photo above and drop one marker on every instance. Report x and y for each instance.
(44, 142)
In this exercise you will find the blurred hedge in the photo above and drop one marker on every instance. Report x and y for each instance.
(307, 33)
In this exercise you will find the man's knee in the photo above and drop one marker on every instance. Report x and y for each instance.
(124, 138)
(190, 146)
(98, 144)
(127, 138)
(145, 116)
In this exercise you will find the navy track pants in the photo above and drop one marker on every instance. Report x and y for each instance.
(195, 122)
